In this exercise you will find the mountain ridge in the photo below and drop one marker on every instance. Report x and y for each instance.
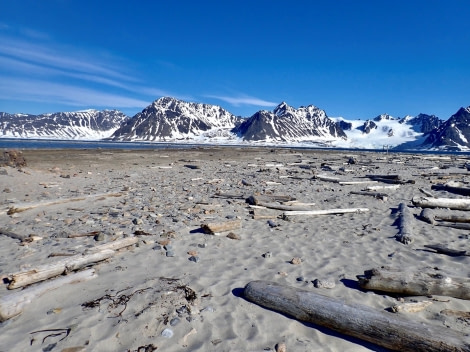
(169, 119)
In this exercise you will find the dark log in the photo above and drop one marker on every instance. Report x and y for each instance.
(379, 327)
(422, 282)
(377, 195)
(256, 200)
(463, 191)
(439, 248)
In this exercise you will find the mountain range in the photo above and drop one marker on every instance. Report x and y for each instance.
(172, 120)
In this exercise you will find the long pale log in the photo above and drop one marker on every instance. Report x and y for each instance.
(376, 188)
(282, 206)
(422, 282)
(216, 227)
(326, 178)
(360, 321)
(13, 304)
(23, 207)
(432, 217)
(464, 191)
(405, 225)
(326, 211)
(451, 203)
(345, 183)
(75, 262)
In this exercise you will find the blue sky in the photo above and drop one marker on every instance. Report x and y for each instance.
(355, 59)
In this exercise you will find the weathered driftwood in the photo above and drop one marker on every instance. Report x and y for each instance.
(326, 178)
(216, 227)
(326, 211)
(229, 195)
(392, 331)
(405, 225)
(282, 206)
(345, 183)
(23, 207)
(440, 248)
(378, 195)
(451, 203)
(463, 191)
(14, 235)
(13, 304)
(410, 307)
(432, 217)
(49, 270)
(391, 179)
(264, 213)
(426, 193)
(422, 282)
(256, 200)
(379, 187)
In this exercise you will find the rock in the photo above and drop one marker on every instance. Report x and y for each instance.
(300, 279)
(3, 171)
(327, 283)
(99, 237)
(272, 223)
(267, 255)
(194, 259)
(281, 347)
(296, 261)
(175, 321)
(233, 236)
(168, 333)
(202, 245)
(13, 158)
(137, 221)
(170, 253)
(192, 253)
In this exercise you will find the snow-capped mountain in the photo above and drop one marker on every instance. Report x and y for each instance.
(83, 125)
(453, 134)
(170, 119)
(386, 131)
(287, 124)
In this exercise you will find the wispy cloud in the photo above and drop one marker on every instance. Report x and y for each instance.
(243, 100)
(34, 68)
(40, 91)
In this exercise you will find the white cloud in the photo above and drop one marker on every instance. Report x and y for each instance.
(40, 91)
(243, 100)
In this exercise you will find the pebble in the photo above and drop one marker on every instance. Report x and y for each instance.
(168, 333)
(327, 283)
(272, 223)
(99, 237)
(296, 261)
(137, 221)
(233, 236)
(157, 247)
(300, 279)
(267, 255)
(170, 253)
(182, 310)
(202, 245)
(168, 247)
(194, 258)
(208, 309)
(175, 321)
(281, 347)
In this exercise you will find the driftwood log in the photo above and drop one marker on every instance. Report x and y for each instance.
(216, 227)
(23, 207)
(378, 195)
(451, 203)
(423, 282)
(73, 263)
(463, 191)
(12, 304)
(405, 225)
(433, 218)
(326, 211)
(379, 327)
(440, 248)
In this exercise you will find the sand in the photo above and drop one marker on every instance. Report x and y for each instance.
(188, 284)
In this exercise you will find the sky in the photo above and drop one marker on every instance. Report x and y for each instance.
(355, 59)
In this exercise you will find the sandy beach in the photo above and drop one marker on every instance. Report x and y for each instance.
(180, 288)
